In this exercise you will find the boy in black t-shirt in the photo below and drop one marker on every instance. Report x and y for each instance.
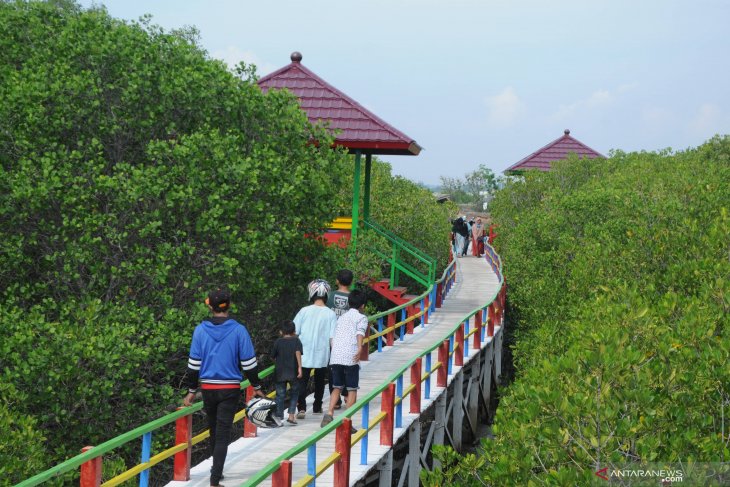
(287, 354)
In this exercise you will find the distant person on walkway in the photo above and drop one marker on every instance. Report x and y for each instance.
(467, 236)
(221, 347)
(477, 238)
(461, 232)
(337, 302)
(287, 355)
(346, 346)
(315, 326)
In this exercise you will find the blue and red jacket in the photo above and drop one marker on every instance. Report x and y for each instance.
(221, 347)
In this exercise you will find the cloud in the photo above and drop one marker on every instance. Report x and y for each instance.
(232, 55)
(505, 108)
(707, 120)
(598, 99)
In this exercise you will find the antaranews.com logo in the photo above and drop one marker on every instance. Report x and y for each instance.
(704, 474)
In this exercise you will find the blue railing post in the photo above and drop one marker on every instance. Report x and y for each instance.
(466, 340)
(312, 462)
(380, 338)
(402, 328)
(364, 441)
(451, 355)
(484, 324)
(144, 475)
(427, 393)
(399, 406)
(423, 315)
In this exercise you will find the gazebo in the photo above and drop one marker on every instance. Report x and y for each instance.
(358, 129)
(556, 150)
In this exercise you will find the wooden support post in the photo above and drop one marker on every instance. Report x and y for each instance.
(459, 354)
(443, 370)
(343, 447)
(183, 434)
(473, 399)
(283, 476)
(457, 410)
(487, 376)
(416, 369)
(478, 330)
(440, 420)
(385, 467)
(389, 337)
(439, 294)
(414, 453)
(249, 429)
(90, 470)
(365, 350)
(386, 405)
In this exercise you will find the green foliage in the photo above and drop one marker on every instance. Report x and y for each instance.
(475, 189)
(136, 174)
(619, 275)
(20, 434)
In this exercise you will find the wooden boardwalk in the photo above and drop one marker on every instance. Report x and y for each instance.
(475, 285)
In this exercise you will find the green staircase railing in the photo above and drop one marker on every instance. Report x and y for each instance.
(400, 249)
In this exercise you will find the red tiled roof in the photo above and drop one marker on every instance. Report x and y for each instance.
(556, 150)
(359, 128)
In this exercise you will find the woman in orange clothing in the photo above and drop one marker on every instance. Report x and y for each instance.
(477, 238)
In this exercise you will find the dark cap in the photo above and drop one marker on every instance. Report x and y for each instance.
(219, 300)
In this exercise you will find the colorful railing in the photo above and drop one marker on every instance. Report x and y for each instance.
(90, 460)
(451, 351)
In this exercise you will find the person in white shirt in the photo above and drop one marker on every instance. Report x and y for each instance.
(315, 326)
(345, 356)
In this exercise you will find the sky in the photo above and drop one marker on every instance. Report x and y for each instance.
(486, 81)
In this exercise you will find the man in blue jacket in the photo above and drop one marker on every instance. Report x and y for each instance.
(221, 347)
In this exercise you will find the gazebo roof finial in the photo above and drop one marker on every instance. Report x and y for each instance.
(296, 57)
(566, 131)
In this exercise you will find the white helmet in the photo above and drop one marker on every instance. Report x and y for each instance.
(319, 288)
(261, 412)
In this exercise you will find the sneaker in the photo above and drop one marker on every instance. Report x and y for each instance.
(327, 419)
(317, 410)
(301, 415)
(292, 422)
(338, 405)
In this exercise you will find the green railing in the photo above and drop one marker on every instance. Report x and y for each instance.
(399, 250)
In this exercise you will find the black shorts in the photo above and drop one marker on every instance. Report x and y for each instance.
(347, 376)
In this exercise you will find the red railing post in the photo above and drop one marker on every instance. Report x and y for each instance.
(478, 330)
(439, 293)
(490, 320)
(416, 369)
(283, 476)
(182, 460)
(409, 325)
(90, 471)
(387, 403)
(365, 350)
(249, 429)
(443, 370)
(343, 437)
(459, 350)
(389, 337)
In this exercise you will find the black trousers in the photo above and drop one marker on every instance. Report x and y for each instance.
(320, 374)
(220, 406)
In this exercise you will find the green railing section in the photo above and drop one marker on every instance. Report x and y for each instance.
(397, 254)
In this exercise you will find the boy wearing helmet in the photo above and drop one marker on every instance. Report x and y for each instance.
(315, 326)
(221, 347)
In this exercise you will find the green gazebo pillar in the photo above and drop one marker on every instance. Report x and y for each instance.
(366, 202)
(356, 201)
